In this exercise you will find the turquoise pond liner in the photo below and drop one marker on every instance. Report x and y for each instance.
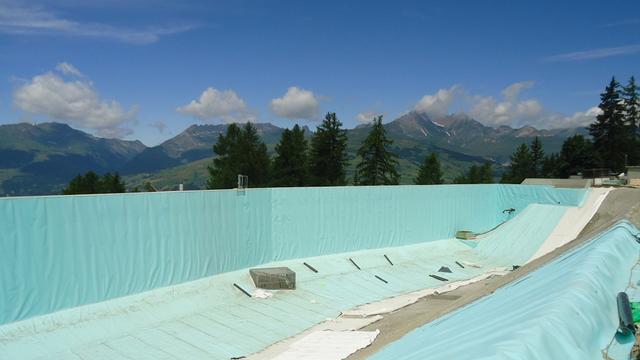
(58, 252)
(211, 319)
(564, 310)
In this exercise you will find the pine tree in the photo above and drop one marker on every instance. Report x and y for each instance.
(328, 155)
(577, 154)
(290, 163)
(632, 107)
(520, 167)
(240, 152)
(224, 171)
(609, 133)
(91, 183)
(551, 166)
(88, 183)
(112, 183)
(378, 163)
(485, 174)
(430, 172)
(254, 159)
(537, 157)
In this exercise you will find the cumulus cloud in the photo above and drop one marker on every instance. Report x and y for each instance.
(68, 69)
(438, 104)
(20, 19)
(296, 104)
(509, 109)
(512, 91)
(75, 102)
(214, 104)
(511, 112)
(578, 119)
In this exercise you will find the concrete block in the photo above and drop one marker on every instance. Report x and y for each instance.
(274, 278)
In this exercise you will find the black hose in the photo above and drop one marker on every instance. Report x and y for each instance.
(508, 211)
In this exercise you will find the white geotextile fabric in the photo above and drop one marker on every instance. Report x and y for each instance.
(336, 324)
(328, 345)
(398, 302)
(572, 222)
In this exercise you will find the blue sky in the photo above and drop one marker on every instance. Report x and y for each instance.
(149, 69)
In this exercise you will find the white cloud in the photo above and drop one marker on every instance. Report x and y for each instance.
(68, 69)
(512, 91)
(596, 53)
(296, 104)
(74, 102)
(20, 19)
(438, 104)
(509, 109)
(578, 119)
(215, 104)
(367, 116)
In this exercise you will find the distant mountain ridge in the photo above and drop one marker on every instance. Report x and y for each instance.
(39, 159)
(460, 133)
(42, 158)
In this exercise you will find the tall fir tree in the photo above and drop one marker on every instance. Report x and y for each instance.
(239, 152)
(609, 132)
(224, 171)
(632, 107)
(520, 167)
(551, 166)
(254, 158)
(485, 175)
(290, 162)
(112, 183)
(577, 154)
(378, 164)
(430, 172)
(632, 119)
(537, 157)
(328, 154)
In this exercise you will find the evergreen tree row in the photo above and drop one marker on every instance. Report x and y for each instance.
(615, 132)
(614, 143)
(92, 183)
(297, 162)
(322, 161)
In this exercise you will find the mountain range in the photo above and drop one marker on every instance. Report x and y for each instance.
(42, 158)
